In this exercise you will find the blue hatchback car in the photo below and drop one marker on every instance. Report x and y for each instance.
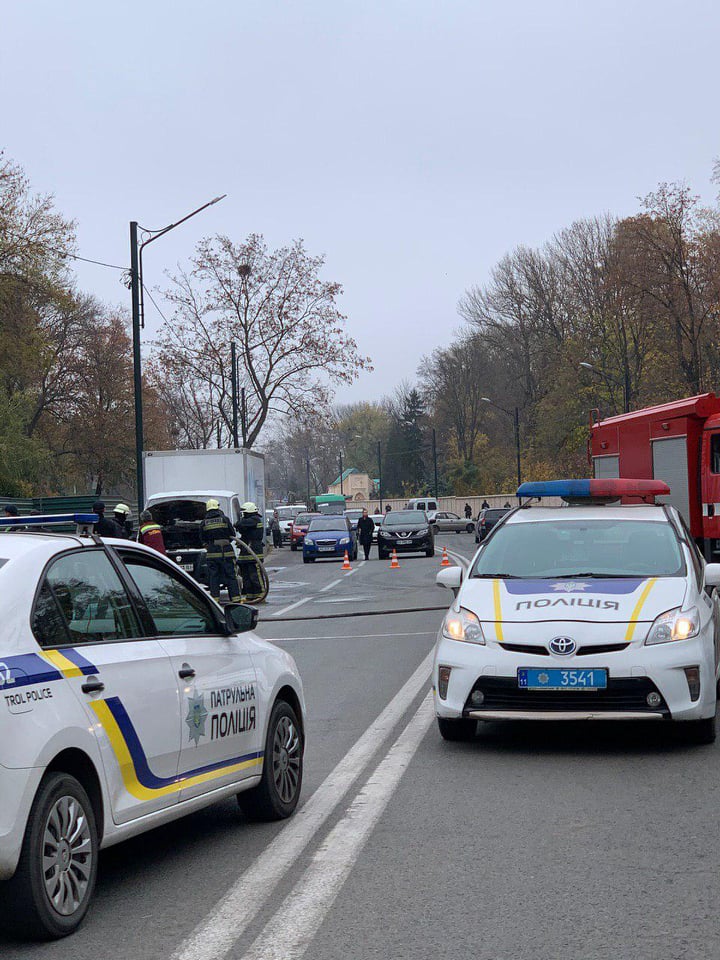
(328, 537)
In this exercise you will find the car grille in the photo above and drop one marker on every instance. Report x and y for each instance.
(622, 693)
(586, 651)
(326, 543)
(528, 648)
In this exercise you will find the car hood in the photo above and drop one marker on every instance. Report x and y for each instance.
(601, 601)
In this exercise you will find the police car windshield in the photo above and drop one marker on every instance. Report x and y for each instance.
(551, 549)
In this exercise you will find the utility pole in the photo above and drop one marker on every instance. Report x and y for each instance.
(307, 466)
(137, 364)
(517, 443)
(434, 450)
(234, 386)
(380, 476)
(342, 492)
(243, 416)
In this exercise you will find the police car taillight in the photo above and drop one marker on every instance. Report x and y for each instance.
(599, 491)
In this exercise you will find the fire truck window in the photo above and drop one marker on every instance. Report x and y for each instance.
(715, 453)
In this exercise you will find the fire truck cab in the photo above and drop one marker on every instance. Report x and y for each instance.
(676, 442)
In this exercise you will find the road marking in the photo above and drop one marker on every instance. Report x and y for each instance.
(463, 561)
(215, 935)
(345, 600)
(298, 603)
(334, 583)
(290, 931)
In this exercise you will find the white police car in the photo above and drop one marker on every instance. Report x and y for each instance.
(597, 610)
(127, 699)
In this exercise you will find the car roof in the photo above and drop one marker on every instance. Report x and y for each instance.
(45, 545)
(190, 495)
(592, 512)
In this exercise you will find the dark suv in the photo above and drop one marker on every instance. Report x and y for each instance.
(486, 521)
(407, 531)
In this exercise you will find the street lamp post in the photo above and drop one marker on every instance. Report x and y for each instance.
(624, 383)
(515, 416)
(234, 387)
(138, 322)
(380, 476)
(342, 491)
(434, 450)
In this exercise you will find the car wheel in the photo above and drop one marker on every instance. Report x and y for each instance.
(430, 552)
(382, 555)
(52, 888)
(278, 792)
(293, 547)
(308, 559)
(456, 730)
(701, 731)
(469, 528)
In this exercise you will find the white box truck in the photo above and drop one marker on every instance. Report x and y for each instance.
(178, 483)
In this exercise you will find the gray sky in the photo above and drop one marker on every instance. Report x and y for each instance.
(413, 143)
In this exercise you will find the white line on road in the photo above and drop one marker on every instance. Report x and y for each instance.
(463, 561)
(290, 931)
(298, 603)
(333, 583)
(215, 935)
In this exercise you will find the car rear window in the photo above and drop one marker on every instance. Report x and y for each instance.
(495, 514)
(551, 549)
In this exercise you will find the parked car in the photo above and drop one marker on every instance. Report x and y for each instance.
(287, 515)
(486, 521)
(299, 528)
(377, 521)
(406, 531)
(328, 538)
(452, 523)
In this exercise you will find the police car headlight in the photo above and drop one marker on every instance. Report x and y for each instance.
(463, 626)
(675, 624)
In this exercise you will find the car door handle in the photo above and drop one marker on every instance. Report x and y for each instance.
(186, 672)
(93, 686)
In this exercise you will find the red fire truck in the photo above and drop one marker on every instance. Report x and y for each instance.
(677, 442)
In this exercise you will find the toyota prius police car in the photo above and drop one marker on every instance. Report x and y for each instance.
(128, 698)
(597, 610)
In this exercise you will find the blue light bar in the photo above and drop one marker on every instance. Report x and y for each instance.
(575, 489)
(82, 519)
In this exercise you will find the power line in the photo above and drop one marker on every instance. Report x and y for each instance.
(152, 300)
(74, 256)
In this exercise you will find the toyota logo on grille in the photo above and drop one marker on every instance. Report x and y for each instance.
(562, 646)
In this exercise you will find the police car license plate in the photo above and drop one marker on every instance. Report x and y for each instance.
(559, 679)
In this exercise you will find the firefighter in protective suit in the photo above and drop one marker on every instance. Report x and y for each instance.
(217, 536)
(251, 528)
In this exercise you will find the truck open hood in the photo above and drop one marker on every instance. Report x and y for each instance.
(601, 601)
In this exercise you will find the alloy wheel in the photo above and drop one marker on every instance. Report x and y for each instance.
(286, 759)
(67, 856)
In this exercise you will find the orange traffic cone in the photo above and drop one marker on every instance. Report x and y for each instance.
(394, 565)
(346, 562)
(445, 562)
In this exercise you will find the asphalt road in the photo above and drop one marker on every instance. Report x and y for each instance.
(557, 841)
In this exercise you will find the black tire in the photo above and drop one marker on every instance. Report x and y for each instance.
(293, 547)
(701, 732)
(308, 559)
(456, 730)
(278, 792)
(430, 552)
(469, 528)
(27, 907)
(382, 555)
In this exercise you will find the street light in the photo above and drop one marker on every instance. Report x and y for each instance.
(624, 383)
(515, 415)
(138, 322)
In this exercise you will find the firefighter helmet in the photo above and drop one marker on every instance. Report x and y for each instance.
(249, 507)
(212, 504)
(122, 508)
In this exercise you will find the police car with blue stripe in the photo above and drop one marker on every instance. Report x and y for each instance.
(601, 608)
(128, 698)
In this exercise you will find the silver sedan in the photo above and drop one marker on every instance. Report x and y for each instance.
(451, 523)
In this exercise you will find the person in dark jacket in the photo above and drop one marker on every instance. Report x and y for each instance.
(106, 526)
(365, 530)
(484, 505)
(150, 533)
(217, 535)
(250, 529)
(121, 516)
(275, 530)
(468, 511)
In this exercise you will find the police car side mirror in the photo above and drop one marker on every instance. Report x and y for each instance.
(239, 618)
(712, 574)
(450, 578)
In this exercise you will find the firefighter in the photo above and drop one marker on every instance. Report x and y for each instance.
(217, 536)
(106, 526)
(251, 528)
(150, 533)
(121, 516)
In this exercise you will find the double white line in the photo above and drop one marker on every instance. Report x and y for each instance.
(293, 925)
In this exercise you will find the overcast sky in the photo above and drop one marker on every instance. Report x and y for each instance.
(412, 143)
